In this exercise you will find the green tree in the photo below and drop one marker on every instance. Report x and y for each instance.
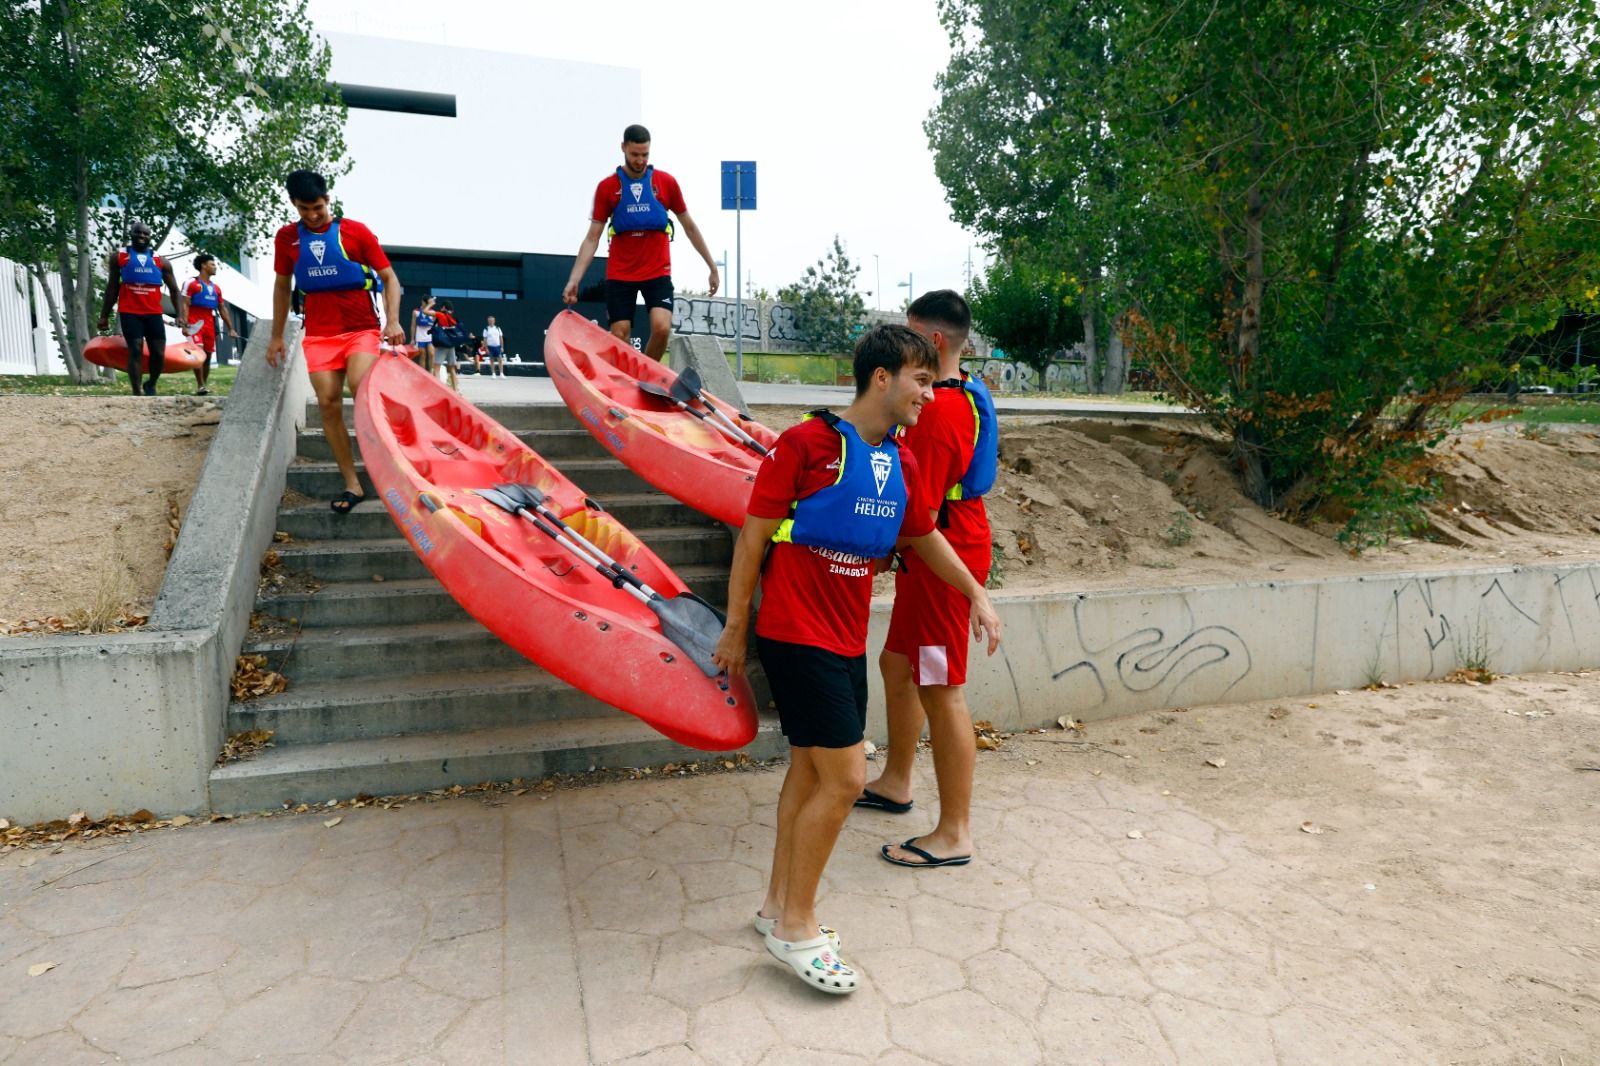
(1328, 218)
(828, 310)
(1029, 311)
(180, 113)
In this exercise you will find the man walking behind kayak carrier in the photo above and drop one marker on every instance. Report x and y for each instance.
(834, 494)
(633, 204)
(341, 268)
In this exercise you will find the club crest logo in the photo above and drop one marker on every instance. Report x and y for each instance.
(142, 258)
(637, 188)
(318, 249)
(880, 469)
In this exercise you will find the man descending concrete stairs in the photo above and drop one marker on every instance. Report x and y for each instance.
(393, 688)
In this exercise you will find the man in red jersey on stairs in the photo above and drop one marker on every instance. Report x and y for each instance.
(633, 203)
(340, 267)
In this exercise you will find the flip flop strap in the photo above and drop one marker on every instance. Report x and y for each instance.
(932, 860)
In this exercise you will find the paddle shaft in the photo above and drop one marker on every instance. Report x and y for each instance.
(564, 535)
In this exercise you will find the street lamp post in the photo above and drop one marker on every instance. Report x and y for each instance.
(877, 287)
(910, 285)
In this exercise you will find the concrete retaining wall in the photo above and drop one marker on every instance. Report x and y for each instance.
(129, 720)
(1100, 654)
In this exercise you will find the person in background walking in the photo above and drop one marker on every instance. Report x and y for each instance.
(205, 303)
(495, 340)
(422, 322)
(134, 279)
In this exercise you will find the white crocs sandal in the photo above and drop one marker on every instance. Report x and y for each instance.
(816, 963)
(765, 925)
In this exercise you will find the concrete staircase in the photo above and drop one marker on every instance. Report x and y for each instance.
(393, 688)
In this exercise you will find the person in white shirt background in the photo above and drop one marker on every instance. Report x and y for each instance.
(495, 340)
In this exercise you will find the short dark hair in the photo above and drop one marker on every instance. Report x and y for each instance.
(635, 134)
(892, 347)
(942, 307)
(306, 186)
(446, 305)
(202, 259)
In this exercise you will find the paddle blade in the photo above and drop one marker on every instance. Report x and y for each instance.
(694, 626)
(525, 495)
(499, 499)
(650, 388)
(689, 378)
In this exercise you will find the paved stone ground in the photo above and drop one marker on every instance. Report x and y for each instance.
(1132, 905)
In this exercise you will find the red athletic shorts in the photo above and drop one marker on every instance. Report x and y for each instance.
(333, 351)
(207, 337)
(931, 623)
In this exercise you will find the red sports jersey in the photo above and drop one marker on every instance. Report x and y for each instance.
(643, 254)
(198, 313)
(346, 311)
(811, 596)
(135, 299)
(942, 440)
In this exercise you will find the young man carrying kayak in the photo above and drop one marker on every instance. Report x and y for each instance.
(134, 281)
(205, 303)
(633, 203)
(834, 494)
(340, 267)
(924, 660)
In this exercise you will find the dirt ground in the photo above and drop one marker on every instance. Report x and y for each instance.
(91, 483)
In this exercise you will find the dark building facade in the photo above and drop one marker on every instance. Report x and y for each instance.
(521, 291)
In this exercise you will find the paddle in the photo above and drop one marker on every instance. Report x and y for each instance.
(689, 386)
(650, 388)
(688, 621)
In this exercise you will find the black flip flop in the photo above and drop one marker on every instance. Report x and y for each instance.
(874, 802)
(930, 860)
(348, 499)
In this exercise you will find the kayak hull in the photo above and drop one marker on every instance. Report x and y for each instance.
(425, 448)
(598, 378)
(112, 352)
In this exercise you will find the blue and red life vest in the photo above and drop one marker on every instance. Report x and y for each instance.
(323, 266)
(205, 296)
(985, 465)
(639, 208)
(140, 268)
(861, 512)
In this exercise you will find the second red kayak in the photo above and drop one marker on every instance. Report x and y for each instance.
(112, 352)
(638, 409)
(453, 479)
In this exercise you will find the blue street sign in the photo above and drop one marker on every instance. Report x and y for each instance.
(738, 185)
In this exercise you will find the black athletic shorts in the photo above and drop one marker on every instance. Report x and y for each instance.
(148, 331)
(821, 695)
(622, 296)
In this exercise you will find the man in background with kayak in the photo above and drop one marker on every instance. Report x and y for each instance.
(834, 494)
(205, 302)
(633, 204)
(339, 266)
(134, 279)
(924, 659)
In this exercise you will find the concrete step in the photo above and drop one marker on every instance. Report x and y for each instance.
(389, 765)
(462, 701)
(596, 477)
(553, 444)
(329, 654)
(365, 602)
(369, 520)
(514, 416)
(355, 559)
(366, 707)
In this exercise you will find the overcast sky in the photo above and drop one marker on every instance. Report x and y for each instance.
(827, 97)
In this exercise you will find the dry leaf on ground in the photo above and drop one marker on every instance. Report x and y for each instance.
(41, 968)
(1218, 762)
(331, 822)
(244, 745)
(252, 679)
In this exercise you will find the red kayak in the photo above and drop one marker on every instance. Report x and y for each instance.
(452, 479)
(112, 352)
(642, 413)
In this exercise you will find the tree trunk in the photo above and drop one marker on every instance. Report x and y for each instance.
(1091, 353)
(1115, 378)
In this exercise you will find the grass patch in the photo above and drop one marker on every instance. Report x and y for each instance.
(179, 383)
(1533, 411)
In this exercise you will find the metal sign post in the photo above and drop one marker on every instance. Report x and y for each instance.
(738, 196)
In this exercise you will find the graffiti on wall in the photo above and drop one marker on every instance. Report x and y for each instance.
(1149, 658)
(781, 325)
(1006, 376)
(716, 318)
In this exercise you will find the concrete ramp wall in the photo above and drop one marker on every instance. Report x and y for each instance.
(121, 721)
(1101, 654)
